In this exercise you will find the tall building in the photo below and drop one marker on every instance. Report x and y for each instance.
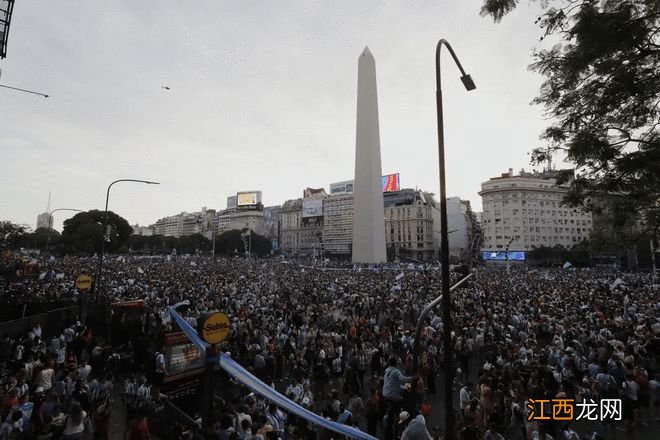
(142, 230)
(525, 210)
(272, 224)
(44, 220)
(368, 225)
(460, 227)
(290, 217)
(301, 223)
(244, 211)
(186, 223)
(409, 224)
(338, 223)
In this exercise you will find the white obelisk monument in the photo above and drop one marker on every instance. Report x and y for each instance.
(368, 220)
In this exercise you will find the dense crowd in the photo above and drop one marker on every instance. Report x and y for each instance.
(339, 342)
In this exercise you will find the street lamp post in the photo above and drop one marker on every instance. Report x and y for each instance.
(98, 281)
(444, 242)
(50, 223)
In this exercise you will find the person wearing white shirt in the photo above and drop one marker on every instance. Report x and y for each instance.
(465, 396)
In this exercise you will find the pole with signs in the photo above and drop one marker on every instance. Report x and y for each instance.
(213, 329)
(83, 284)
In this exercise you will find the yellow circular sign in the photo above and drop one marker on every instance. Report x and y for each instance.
(214, 327)
(84, 282)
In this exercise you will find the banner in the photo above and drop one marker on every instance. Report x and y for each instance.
(312, 208)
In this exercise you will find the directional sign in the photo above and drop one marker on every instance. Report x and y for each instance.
(84, 282)
(214, 327)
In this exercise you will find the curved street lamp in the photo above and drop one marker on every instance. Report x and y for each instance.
(444, 249)
(50, 222)
(99, 279)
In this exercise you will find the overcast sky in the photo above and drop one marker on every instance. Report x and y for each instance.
(262, 96)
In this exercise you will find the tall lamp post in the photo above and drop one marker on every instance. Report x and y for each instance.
(444, 242)
(98, 280)
(50, 223)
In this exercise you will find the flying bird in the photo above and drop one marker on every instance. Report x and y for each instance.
(164, 87)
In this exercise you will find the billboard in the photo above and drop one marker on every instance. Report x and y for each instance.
(312, 208)
(502, 255)
(231, 202)
(248, 198)
(391, 183)
(182, 357)
(345, 187)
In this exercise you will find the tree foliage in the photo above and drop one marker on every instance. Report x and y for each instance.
(602, 92)
(84, 231)
(230, 241)
(11, 234)
(225, 243)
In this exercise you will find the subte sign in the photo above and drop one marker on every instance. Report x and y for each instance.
(213, 327)
(84, 282)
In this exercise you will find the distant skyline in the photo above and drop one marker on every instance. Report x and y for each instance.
(232, 96)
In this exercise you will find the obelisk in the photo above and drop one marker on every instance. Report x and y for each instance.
(368, 220)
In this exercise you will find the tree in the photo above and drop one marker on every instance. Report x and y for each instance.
(231, 240)
(602, 90)
(188, 244)
(39, 238)
(84, 231)
(11, 234)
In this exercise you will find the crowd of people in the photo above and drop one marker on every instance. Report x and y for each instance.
(339, 342)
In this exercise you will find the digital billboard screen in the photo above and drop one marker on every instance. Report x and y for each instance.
(502, 255)
(181, 356)
(312, 208)
(246, 198)
(391, 182)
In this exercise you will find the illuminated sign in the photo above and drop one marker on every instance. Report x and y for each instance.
(182, 358)
(391, 183)
(244, 199)
(502, 255)
(214, 327)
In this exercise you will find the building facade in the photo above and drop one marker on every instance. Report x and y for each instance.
(186, 223)
(272, 224)
(301, 223)
(290, 219)
(44, 220)
(338, 224)
(460, 227)
(525, 212)
(142, 230)
(409, 224)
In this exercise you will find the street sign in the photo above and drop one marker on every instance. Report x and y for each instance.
(213, 327)
(84, 282)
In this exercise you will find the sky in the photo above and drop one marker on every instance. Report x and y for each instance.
(262, 97)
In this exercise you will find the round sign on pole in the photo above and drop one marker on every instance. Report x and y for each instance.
(213, 327)
(84, 282)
